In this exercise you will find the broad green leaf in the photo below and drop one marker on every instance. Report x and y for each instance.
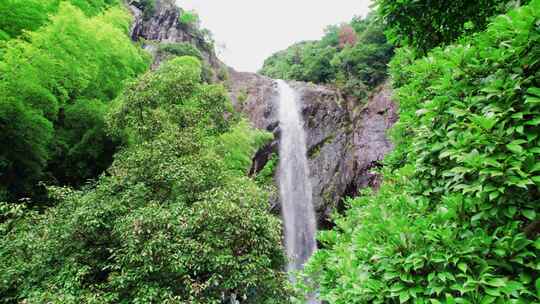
(487, 300)
(532, 100)
(462, 267)
(534, 91)
(516, 148)
(533, 122)
(497, 282)
(530, 214)
(404, 296)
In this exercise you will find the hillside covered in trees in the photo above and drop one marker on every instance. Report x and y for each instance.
(128, 175)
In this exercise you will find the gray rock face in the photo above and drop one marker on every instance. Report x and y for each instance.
(345, 141)
(163, 26)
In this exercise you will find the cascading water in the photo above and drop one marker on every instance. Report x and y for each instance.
(294, 184)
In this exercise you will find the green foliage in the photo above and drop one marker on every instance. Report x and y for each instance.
(24, 137)
(353, 67)
(423, 24)
(29, 15)
(266, 176)
(82, 147)
(148, 7)
(304, 61)
(175, 221)
(188, 49)
(181, 49)
(48, 77)
(189, 18)
(238, 145)
(454, 220)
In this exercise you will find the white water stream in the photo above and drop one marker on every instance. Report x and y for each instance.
(294, 184)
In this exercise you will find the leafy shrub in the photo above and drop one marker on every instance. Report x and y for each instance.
(149, 8)
(453, 221)
(266, 176)
(175, 221)
(423, 24)
(82, 147)
(238, 145)
(187, 49)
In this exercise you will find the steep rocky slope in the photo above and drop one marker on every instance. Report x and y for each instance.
(345, 140)
(161, 24)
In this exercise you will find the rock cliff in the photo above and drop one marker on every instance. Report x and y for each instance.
(345, 140)
(158, 22)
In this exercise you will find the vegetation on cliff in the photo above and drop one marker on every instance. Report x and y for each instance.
(28, 15)
(352, 56)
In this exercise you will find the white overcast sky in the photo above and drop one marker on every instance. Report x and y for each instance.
(252, 30)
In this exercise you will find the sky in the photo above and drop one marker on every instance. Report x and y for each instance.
(249, 31)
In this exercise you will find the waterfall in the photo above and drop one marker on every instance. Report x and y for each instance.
(294, 184)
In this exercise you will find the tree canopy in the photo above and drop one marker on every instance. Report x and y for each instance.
(175, 220)
(55, 85)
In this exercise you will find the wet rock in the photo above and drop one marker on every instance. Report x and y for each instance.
(345, 140)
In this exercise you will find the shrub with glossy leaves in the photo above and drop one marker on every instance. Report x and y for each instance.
(456, 220)
(425, 24)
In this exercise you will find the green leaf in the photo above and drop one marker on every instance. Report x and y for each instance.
(486, 123)
(487, 300)
(533, 122)
(404, 296)
(537, 284)
(493, 292)
(463, 267)
(532, 99)
(530, 214)
(397, 287)
(535, 167)
(534, 91)
(497, 282)
(516, 148)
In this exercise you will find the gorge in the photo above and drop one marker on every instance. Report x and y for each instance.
(397, 161)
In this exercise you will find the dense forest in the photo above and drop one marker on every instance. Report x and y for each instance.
(124, 182)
